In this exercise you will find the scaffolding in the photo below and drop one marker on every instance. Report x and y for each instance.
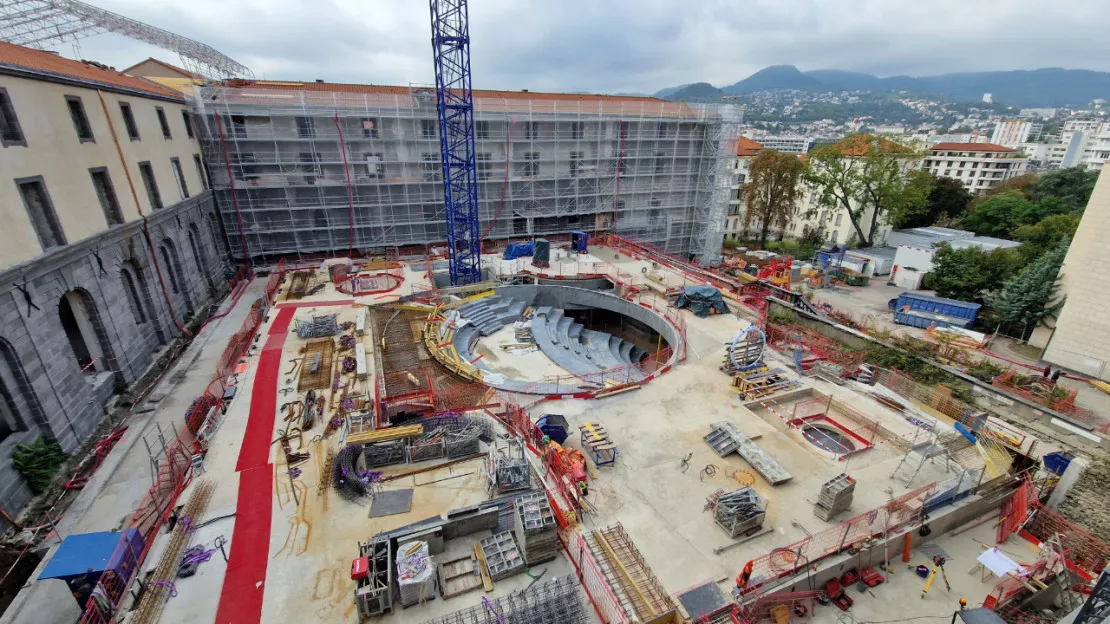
(316, 168)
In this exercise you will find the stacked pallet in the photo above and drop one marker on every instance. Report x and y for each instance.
(835, 497)
(523, 332)
(416, 574)
(501, 555)
(535, 528)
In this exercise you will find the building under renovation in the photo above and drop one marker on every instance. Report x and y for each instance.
(317, 167)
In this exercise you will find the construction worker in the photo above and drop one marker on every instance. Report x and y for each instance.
(744, 576)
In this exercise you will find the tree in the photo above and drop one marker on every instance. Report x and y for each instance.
(968, 274)
(1072, 186)
(772, 190)
(1030, 297)
(871, 179)
(949, 199)
(998, 215)
(1045, 234)
(1019, 183)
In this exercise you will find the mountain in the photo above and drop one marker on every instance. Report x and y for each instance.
(665, 93)
(775, 77)
(697, 92)
(1050, 87)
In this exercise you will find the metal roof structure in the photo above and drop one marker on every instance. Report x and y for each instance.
(41, 23)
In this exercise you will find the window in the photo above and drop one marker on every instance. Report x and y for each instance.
(310, 164)
(188, 123)
(531, 130)
(163, 122)
(169, 269)
(576, 130)
(481, 129)
(662, 130)
(200, 171)
(129, 121)
(41, 210)
(243, 159)
(622, 163)
(947, 172)
(80, 119)
(428, 128)
(963, 163)
(238, 125)
(306, 128)
(175, 164)
(531, 165)
(147, 173)
(106, 193)
(433, 167)
(10, 132)
(974, 165)
(132, 295)
(575, 163)
(660, 162)
(485, 166)
(375, 165)
(369, 128)
(839, 217)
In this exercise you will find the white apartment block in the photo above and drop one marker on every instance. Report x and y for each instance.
(787, 144)
(979, 166)
(1011, 132)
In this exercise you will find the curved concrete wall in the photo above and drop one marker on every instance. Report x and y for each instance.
(572, 297)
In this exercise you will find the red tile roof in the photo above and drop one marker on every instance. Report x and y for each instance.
(748, 147)
(15, 56)
(971, 147)
(342, 87)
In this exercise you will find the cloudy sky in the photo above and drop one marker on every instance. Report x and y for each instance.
(629, 46)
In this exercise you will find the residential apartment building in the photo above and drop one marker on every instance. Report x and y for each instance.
(979, 166)
(746, 150)
(1011, 133)
(785, 144)
(1081, 338)
(318, 167)
(102, 188)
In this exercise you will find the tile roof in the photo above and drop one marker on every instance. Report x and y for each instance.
(19, 57)
(747, 147)
(341, 87)
(971, 147)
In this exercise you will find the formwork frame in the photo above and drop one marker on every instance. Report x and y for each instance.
(651, 170)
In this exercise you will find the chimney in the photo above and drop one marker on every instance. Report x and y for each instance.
(318, 81)
(524, 90)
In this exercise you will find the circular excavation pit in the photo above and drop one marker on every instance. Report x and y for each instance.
(554, 340)
(828, 439)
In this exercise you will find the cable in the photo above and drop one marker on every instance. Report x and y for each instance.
(350, 193)
(504, 186)
(234, 193)
(138, 206)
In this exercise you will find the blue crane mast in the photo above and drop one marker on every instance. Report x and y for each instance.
(455, 104)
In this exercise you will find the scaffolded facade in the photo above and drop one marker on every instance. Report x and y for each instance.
(320, 167)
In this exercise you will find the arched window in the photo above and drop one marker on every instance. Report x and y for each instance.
(132, 295)
(82, 325)
(169, 270)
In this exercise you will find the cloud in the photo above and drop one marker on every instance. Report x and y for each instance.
(610, 46)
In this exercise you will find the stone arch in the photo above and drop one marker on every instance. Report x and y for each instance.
(131, 292)
(146, 300)
(174, 271)
(197, 245)
(18, 403)
(83, 327)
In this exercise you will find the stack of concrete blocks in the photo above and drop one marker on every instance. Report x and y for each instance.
(502, 556)
(835, 497)
(535, 528)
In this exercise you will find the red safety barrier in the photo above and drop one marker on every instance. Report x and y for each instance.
(593, 580)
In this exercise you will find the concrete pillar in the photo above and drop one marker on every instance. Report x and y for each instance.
(1071, 476)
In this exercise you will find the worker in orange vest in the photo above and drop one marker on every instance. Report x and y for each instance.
(743, 578)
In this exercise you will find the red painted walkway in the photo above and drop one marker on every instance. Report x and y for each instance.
(244, 582)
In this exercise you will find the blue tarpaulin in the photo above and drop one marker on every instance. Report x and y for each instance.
(579, 240)
(702, 300)
(519, 250)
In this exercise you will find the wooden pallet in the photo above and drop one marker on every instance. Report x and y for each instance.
(459, 576)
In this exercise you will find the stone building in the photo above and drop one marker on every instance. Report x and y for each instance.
(103, 199)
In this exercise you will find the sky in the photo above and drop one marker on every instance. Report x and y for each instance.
(638, 46)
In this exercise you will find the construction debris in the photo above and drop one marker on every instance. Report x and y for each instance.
(726, 438)
(318, 326)
(535, 528)
(416, 574)
(835, 497)
(507, 466)
(739, 513)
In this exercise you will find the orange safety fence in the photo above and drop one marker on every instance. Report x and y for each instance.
(1087, 554)
(1051, 395)
(885, 519)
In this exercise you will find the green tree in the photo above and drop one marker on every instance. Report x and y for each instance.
(871, 179)
(772, 191)
(968, 274)
(1072, 186)
(947, 200)
(1045, 234)
(1030, 297)
(998, 215)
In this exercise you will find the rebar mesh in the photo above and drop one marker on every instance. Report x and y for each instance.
(557, 601)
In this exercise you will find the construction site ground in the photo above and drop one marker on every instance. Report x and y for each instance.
(299, 569)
